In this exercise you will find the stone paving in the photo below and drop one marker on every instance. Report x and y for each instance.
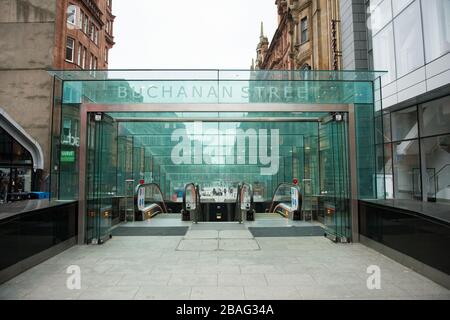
(220, 265)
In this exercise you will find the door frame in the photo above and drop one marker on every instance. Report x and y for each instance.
(87, 108)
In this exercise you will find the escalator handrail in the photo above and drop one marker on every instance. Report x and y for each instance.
(272, 205)
(144, 185)
(197, 198)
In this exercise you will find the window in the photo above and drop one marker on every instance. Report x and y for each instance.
(86, 24)
(83, 59)
(404, 124)
(380, 16)
(399, 5)
(384, 54)
(92, 32)
(71, 14)
(95, 65)
(408, 40)
(108, 25)
(96, 35)
(407, 182)
(91, 62)
(304, 30)
(80, 49)
(436, 117)
(436, 182)
(436, 25)
(70, 47)
(106, 54)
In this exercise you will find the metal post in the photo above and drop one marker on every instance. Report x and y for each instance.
(353, 173)
(82, 176)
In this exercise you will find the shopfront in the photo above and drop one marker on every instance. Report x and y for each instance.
(113, 130)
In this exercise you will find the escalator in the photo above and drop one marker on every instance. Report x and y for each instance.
(287, 201)
(149, 201)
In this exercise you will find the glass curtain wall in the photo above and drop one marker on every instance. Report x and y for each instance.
(408, 34)
(417, 154)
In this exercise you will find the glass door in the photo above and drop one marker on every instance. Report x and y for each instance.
(334, 199)
(101, 177)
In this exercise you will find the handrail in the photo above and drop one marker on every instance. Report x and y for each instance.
(272, 205)
(197, 199)
(139, 186)
(440, 170)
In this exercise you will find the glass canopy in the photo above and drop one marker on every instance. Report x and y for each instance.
(217, 86)
(181, 144)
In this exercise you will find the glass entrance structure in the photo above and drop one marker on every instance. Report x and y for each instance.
(113, 130)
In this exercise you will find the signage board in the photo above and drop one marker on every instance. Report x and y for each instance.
(294, 199)
(141, 199)
(68, 156)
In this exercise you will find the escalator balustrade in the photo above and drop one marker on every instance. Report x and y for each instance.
(149, 201)
(287, 201)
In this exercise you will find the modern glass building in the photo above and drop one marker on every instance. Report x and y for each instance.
(411, 40)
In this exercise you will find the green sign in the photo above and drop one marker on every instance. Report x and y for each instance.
(68, 156)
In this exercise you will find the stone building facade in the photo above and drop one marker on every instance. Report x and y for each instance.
(37, 35)
(307, 37)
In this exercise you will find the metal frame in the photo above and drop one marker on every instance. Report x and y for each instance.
(353, 173)
(90, 107)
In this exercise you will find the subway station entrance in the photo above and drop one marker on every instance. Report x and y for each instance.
(175, 148)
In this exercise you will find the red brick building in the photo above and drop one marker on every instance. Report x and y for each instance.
(84, 34)
(307, 37)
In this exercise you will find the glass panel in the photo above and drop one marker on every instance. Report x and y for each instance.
(384, 53)
(365, 151)
(69, 158)
(218, 86)
(5, 174)
(436, 117)
(388, 170)
(407, 184)
(408, 40)
(436, 25)
(101, 178)
(404, 124)
(381, 15)
(399, 5)
(387, 127)
(334, 178)
(437, 158)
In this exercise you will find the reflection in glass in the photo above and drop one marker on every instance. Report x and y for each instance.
(389, 177)
(437, 158)
(408, 40)
(399, 5)
(436, 25)
(380, 16)
(436, 117)
(407, 170)
(404, 124)
(387, 127)
(383, 53)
